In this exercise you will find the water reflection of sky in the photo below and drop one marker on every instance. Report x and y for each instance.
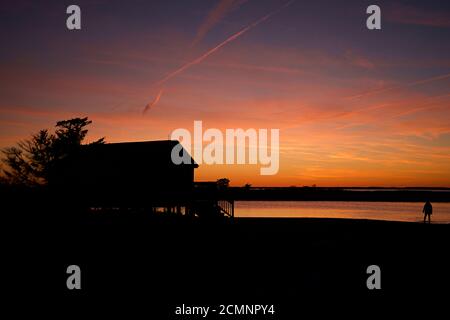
(395, 211)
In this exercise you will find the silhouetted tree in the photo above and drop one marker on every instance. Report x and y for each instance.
(31, 161)
(223, 183)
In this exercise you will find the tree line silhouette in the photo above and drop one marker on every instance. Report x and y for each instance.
(32, 161)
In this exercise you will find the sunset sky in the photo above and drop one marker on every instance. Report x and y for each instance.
(355, 107)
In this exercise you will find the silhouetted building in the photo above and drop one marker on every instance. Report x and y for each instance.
(134, 174)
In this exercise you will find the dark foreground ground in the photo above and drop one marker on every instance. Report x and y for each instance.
(137, 263)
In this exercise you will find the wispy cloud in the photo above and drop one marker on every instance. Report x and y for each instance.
(214, 17)
(198, 60)
(407, 14)
(410, 84)
(357, 60)
(220, 45)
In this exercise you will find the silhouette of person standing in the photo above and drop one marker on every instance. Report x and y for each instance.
(428, 211)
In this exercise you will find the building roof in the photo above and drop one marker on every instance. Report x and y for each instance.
(153, 153)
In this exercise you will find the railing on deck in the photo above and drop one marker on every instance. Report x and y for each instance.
(226, 207)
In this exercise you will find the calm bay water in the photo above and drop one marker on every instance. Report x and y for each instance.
(393, 211)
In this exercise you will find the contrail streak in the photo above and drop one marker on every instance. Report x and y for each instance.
(209, 52)
(228, 40)
(153, 103)
(445, 76)
(411, 84)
